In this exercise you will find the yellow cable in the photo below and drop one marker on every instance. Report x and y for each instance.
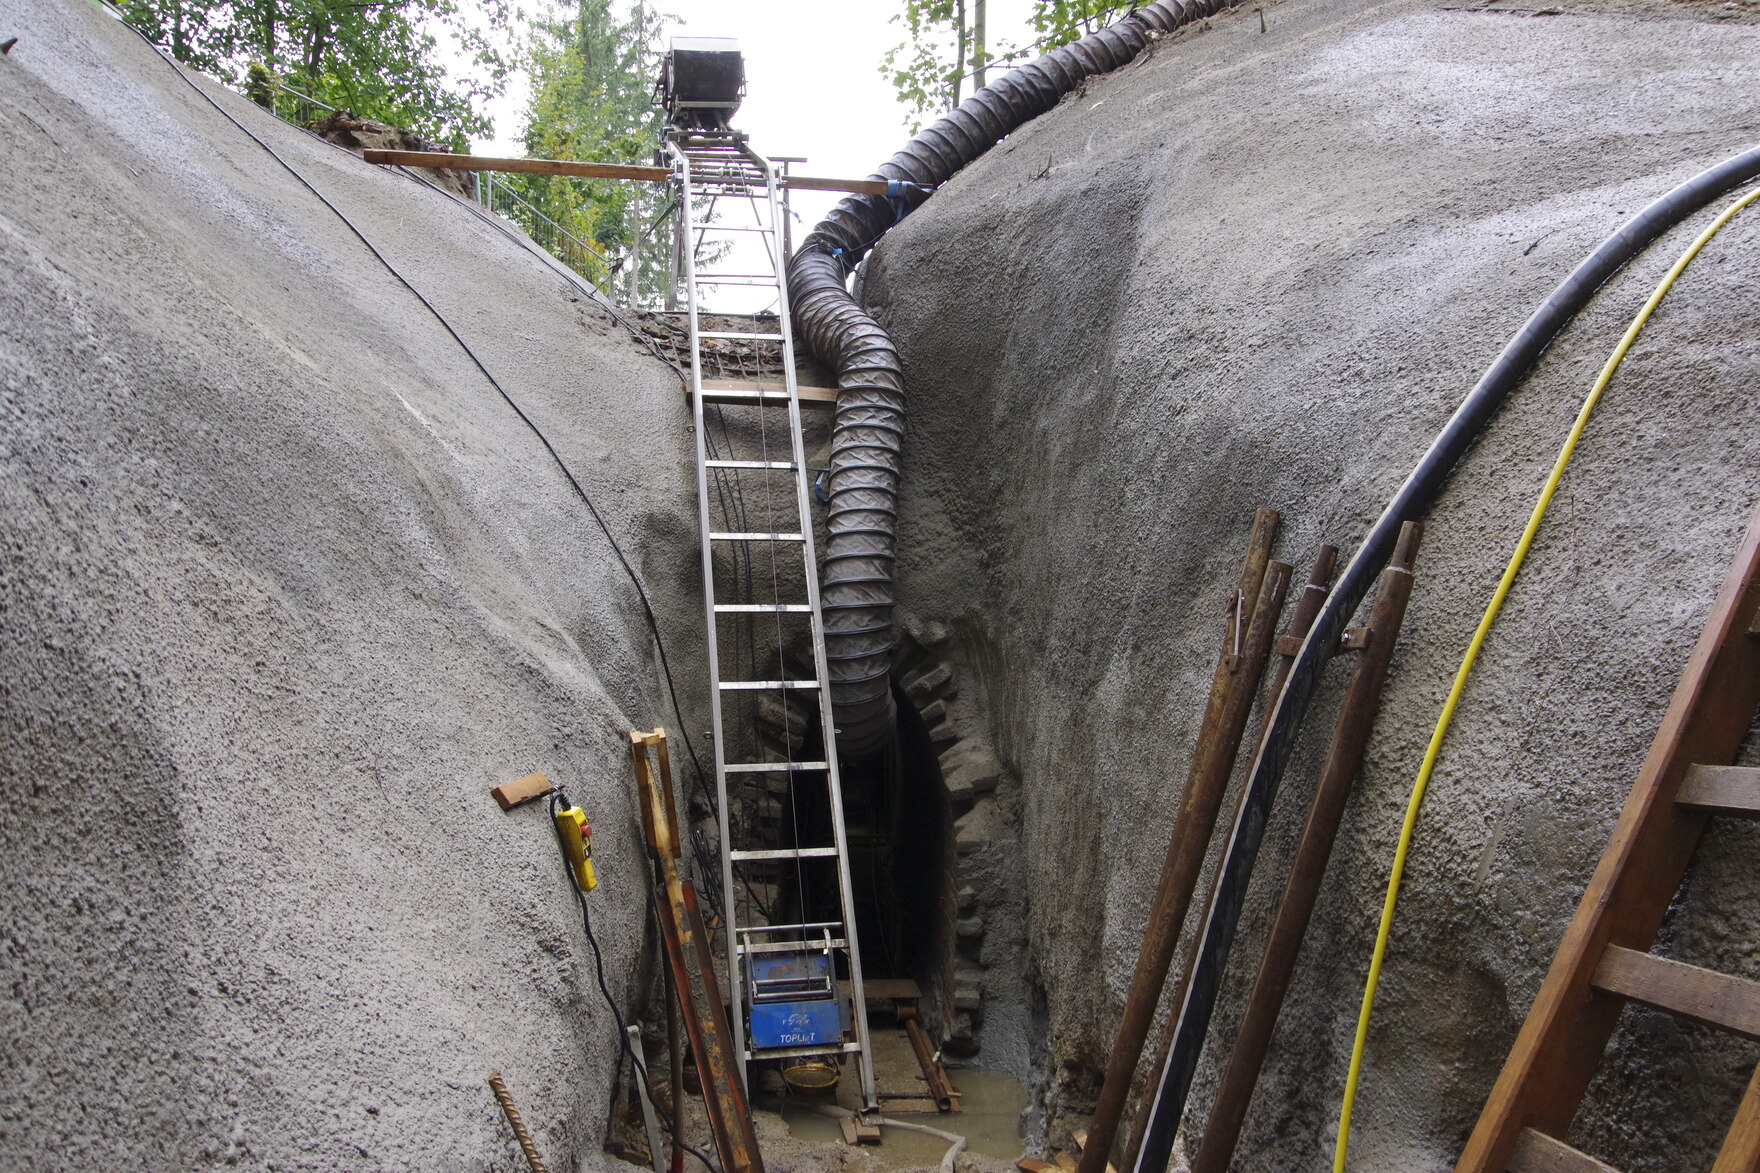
(1473, 647)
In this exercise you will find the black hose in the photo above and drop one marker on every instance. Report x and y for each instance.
(856, 592)
(1413, 498)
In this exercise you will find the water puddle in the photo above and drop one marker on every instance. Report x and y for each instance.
(989, 1119)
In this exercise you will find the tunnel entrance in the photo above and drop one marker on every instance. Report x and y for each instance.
(901, 854)
(899, 823)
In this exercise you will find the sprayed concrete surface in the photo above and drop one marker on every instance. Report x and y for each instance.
(1260, 268)
(288, 586)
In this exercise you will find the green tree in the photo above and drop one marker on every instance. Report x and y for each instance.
(593, 69)
(380, 59)
(943, 49)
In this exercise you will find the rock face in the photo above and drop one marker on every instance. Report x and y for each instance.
(1260, 268)
(287, 587)
(346, 129)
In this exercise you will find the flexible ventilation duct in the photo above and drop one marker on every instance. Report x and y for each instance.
(863, 485)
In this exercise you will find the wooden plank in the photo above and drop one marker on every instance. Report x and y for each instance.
(447, 161)
(853, 186)
(450, 162)
(654, 789)
(1723, 790)
(1034, 1165)
(1560, 1044)
(1741, 1145)
(1686, 991)
(1535, 1152)
(826, 395)
(512, 794)
(890, 989)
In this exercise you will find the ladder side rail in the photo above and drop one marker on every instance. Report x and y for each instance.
(705, 525)
(1561, 1042)
(821, 665)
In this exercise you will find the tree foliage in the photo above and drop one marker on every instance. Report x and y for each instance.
(932, 67)
(593, 68)
(381, 59)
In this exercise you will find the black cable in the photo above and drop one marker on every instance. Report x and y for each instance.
(1234, 869)
(711, 890)
(641, 1069)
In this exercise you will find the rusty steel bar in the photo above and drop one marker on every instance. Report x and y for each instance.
(516, 1122)
(1186, 845)
(675, 1070)
(730, 1086)
(1301, 618)
(1350, 741)
(730, 1118)
(933, 1073)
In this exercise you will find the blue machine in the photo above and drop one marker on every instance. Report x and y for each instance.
(793, 1000)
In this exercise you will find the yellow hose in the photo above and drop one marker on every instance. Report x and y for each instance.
(1478, 641)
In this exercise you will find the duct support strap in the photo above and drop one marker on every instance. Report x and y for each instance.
(860, 550)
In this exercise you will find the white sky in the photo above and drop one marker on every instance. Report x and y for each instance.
(813, 86)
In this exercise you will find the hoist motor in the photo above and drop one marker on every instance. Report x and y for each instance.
(702, 82)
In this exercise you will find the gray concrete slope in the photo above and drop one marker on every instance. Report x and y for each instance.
(287, 587)
(1261, 268)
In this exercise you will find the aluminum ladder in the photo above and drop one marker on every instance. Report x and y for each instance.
(717, 170)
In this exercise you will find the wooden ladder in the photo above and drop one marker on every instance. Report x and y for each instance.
(1604, 960)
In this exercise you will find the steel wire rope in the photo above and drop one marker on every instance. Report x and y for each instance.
(580, 491)
(1433, 750)
(804, 520)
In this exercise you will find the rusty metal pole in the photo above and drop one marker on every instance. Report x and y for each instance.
(675, 1070)
(934, 1075)
(1301, 618)
(1350, 741)
(1186, 845)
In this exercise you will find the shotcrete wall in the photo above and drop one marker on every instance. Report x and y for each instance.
(1260, 268)
(287, 587)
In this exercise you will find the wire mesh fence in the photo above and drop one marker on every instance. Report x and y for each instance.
(499, 198)
(290, 105)
(493, 193)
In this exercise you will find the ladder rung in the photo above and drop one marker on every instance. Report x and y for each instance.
(794, 946)
(1687, 991)
(763, 608)
(737, 283)
(786, 853)
(742, 276)
(756, 537)
(748, 464)
(1725, 790)
(796, 1052)
(747, 398)
(760, 685)
(1535, 1152)
(762, 392)
(772, 767)
(739, 334)
(730, 228)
